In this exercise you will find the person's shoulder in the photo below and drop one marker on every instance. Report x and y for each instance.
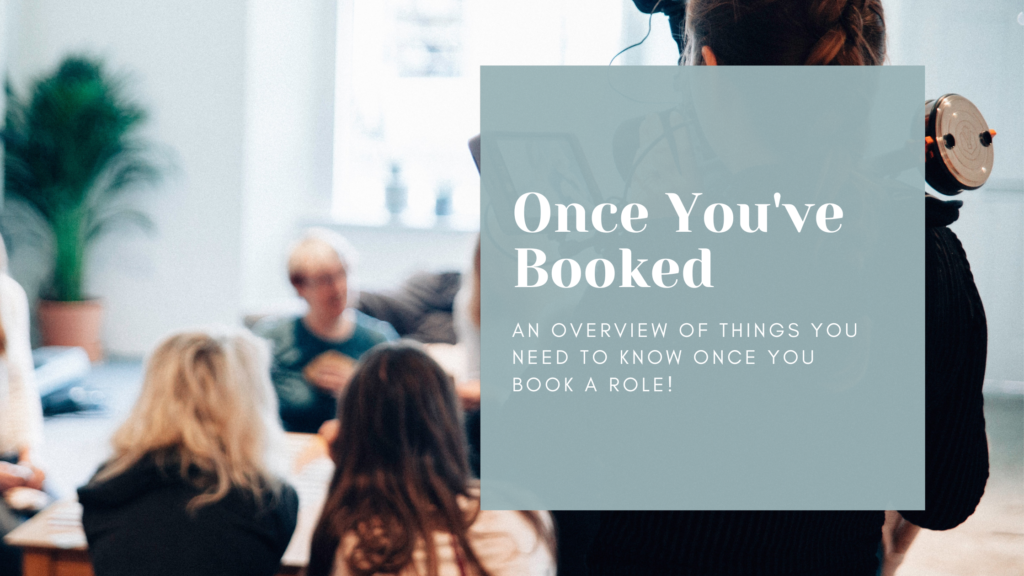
(10, 286)
(11, 293)
(276, 494)
(152, 477)
(280, 507)
(275, 507)
(276, 328)
(507, 542)
(374, 329)
(286, 499)
(13, 306)
(512, 522)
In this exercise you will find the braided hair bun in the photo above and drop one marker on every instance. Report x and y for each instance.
(853, 31)
(786, 32)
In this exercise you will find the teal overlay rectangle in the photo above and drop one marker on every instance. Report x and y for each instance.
(733, 257)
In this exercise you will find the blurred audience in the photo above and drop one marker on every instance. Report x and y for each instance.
(192, 487)
(315, 354)
(402, 500)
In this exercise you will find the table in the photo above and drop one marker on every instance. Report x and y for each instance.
(54, 544)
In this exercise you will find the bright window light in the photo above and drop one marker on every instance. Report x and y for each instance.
(408, 96)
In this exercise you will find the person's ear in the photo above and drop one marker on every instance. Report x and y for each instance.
(708, 56)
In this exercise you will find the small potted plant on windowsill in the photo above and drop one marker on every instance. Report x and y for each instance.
(71, 158)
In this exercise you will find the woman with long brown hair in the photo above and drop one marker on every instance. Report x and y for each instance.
(824, 32)
(402, 500)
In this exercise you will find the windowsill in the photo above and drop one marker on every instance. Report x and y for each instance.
(390, 253)
(447, 226)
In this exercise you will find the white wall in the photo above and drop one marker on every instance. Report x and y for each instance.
(242, 92)
(241, 95)
(291, 70)
(391, 254)
(290, 64)
(187, 60)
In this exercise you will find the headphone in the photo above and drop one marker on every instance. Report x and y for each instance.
(674, 9)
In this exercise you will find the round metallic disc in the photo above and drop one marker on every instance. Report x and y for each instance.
(959, 127)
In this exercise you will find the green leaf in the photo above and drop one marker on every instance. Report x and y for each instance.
(23, 224)
(72, 153)
(125, 217)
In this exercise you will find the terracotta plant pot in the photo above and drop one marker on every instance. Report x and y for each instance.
(72, 324)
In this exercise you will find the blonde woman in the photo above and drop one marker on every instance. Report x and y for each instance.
(191, 487)
(21, 414)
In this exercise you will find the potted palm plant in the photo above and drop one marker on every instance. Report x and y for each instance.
(72, 157)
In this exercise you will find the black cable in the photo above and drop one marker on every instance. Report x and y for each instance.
(650, 19)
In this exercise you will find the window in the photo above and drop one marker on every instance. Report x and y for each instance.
(408, 91)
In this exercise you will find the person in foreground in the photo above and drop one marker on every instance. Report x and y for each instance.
(192, 487)
(402, 500)
(21, 413)
(828, 32)
(315, 354)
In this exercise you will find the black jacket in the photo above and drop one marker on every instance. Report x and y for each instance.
(137, 523)
(842, 543)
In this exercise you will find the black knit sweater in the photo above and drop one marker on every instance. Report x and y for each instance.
(842, 543)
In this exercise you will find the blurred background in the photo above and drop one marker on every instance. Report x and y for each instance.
(266, 117)
(278, 115)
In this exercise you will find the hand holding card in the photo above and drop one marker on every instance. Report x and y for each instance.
(330, 371)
